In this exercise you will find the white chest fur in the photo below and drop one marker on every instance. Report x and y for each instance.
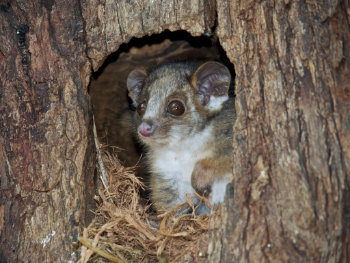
(175, 162)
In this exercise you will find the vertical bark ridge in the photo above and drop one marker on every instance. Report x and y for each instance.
(289, 166)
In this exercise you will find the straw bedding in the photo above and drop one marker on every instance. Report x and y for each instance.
(126, 230)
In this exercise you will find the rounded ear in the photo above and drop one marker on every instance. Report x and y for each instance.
(211, 82)
(135, 82)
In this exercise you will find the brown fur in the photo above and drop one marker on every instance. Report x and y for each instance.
(206, 171)
(196, 86)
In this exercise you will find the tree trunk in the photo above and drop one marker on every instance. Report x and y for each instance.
(46, 154)
(292, 136)
(291, 141)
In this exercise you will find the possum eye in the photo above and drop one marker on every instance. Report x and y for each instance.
(176, 108)
(141, 108)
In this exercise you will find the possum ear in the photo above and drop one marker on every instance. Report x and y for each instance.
(211, 82)
(134, 83)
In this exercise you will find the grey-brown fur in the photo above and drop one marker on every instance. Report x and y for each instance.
(199, 140)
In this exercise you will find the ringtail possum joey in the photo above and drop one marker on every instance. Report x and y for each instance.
(184, 118)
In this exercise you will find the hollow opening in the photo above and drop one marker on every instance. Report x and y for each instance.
(158, 237)
(108, 91)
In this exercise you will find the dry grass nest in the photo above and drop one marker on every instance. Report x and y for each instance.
(125, 230)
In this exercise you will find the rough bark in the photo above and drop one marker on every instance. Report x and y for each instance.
(46, 154)
(291, 139)
(111, 23)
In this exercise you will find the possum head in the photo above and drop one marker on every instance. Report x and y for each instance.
(176, 100)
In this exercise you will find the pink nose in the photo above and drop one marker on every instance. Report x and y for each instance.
(146, 128)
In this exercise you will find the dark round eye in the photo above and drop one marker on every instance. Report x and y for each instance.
(176, 108)
(141, 108)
